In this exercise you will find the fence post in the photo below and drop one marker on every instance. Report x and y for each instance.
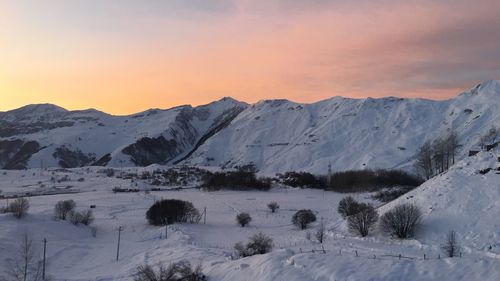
(424, 257)
(340, 252)
(356, 253)
(44, 254)
(399, 256)
(118, 247)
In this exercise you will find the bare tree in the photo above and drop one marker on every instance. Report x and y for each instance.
(452, 145)
(451, 246)
(62, 209)
(19, 207)
(423, 161)
(320, 233)
(402, 221)
(361, 222)
(273, 206)
(489, 138)
(347, 207)
(26, 266)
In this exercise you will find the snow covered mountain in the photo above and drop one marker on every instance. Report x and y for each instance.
(48, 136)
(275, 135)
(279, 135)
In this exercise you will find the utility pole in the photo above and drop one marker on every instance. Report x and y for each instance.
(44, 256)
(118, 248)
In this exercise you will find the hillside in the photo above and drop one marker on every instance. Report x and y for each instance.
(50, 136)
(280, 135)
(275, 135)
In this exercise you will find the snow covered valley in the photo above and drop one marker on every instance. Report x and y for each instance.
(462, 199)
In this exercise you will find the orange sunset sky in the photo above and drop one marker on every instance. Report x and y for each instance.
(126, 56)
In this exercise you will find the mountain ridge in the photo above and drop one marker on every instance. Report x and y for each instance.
(275, 135)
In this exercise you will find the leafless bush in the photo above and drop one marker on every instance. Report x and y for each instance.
(303, 217)
(361, 222)
(320, 233)
(259, 244)
(85, 217)
(273, 206)
(451, 246)
(19, 207)
(62, 209)
(25, 266)
(347, 207)
(180, 271)
(243, 219)
(402, 221)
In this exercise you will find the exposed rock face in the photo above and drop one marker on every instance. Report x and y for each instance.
(69, 158)
(15, 154)
(147, 151)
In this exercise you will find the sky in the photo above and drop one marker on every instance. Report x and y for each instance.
(125, 56)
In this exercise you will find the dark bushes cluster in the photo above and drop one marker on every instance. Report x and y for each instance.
(171, 211)
(180, 271)
(242, 179)
(259, 244)
(301, 179)
(351, 181)
(371, 180)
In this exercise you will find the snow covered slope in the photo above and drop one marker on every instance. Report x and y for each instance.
(279, 135)
(47, 135)
(275, 135)
(465, 199)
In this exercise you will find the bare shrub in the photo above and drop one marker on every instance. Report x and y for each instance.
(26, 265)
(85, 217)
(273, 206)
(19, 207)
(347, 207)
(303, 217)
(402, 221)
(451, 246)
(361, 222)
(62, 209)
(75, 217)
(180, 271)
(259, 244)
(320, 233)
(243, 219)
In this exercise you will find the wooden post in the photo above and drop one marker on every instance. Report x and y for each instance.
(166, 230)
(205, 216)
(44, 256)
(356, 253)
(118, 247)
